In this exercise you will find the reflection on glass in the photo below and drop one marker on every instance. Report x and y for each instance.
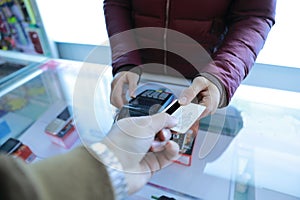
(21, 107)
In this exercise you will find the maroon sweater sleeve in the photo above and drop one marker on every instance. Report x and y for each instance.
(118, 19)
(249, 23)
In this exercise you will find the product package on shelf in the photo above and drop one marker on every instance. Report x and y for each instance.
(21, 28)
(61, 130)
(16, 148)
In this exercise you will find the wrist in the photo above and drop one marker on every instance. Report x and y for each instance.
(113, 167)
(129, 68)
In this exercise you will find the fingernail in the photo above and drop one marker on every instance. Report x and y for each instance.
(156, 144)
(182, 100)
(167, 134)
(132, 94)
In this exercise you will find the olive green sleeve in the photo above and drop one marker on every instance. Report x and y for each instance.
(75, 175)
(14, 182)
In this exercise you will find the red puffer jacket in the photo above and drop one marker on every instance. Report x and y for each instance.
(232, 32)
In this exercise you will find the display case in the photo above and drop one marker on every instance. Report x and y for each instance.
(14, 63)
(22, 29)
(24, 42)
(31, 99)
(26, 99)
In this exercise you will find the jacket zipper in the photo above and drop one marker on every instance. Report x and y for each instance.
(166, 34)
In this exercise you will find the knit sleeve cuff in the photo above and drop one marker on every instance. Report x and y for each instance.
(131, 68)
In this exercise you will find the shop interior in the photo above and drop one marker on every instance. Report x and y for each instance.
(59, 67)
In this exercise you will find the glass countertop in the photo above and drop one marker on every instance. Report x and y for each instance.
(24, 98)
(248, 150)
(263, 157)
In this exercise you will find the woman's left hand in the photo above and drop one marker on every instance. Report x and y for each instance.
(206, 92)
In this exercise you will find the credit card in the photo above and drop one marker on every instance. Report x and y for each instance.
(186, 115)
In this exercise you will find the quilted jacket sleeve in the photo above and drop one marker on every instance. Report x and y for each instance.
(118, 19)
(249, 23)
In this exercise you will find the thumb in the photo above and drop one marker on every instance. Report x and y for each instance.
(188, 94)
(133, 80)
(170, 153)
(145, 127)
(161, 121)
(157, 160)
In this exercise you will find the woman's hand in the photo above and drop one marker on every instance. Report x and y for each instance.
(206, 92)
(123, 81)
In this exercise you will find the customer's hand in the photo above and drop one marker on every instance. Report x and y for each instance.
(206, 92)
(130, 139)
(123, 81)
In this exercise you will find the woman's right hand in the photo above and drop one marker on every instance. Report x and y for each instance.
(123, 81)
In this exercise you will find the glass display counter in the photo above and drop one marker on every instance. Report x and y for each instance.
(248, 150)
(12, 64)
(29, 100)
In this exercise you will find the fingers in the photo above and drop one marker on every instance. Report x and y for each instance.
(162, 137)
(170, 153)
(116, 99)
(207, 93)
(136, 134)
(140, 172)
(133, 80)
(162, 121)
(210, 104)
(158, 160)
(210, 99)
(117, 95)
(131, 138)
(188, 94)
(146, 126)
(122, 82)
(158, 146)
(136, 180)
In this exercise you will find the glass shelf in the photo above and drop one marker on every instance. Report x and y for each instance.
(24, 96)
(12, 64)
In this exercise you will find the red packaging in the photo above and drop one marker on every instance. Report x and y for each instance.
(17, 149)
(25, 153)
(186, 144)
(66, 137)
